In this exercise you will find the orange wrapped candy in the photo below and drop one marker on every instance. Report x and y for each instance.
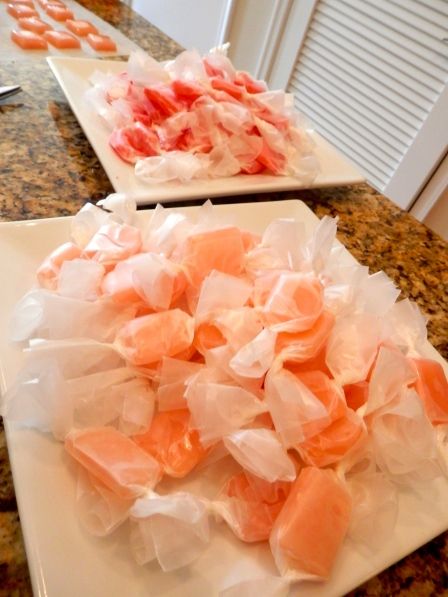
(301, 346)
(253, 506)
(334, 442)
(170, 441)
(432, 387)
(221, 250)
(147, 339)
(48, 271)
(113, 242)
(311, 526)
(114, 459)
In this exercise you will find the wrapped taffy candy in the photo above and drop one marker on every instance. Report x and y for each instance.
(114, 459)
(311, 526)
(147, 339)
(170, 441)
(198, 117)
(44, 314)
(194, 369)
(250, 505)
(99, 509)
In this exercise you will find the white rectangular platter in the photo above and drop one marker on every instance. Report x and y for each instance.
(64, 560)
(73, 77)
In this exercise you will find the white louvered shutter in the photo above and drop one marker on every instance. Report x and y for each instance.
(371, 76)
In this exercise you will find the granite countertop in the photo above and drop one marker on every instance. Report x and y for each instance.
(48, 168)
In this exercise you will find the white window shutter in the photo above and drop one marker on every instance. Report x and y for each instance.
(371, 76)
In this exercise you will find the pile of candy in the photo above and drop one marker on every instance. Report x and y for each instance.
(199, 117)
(172, 348)
(35, 34)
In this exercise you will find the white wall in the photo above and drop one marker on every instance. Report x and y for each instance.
(192, 23)
(248, 29)
(202, 24)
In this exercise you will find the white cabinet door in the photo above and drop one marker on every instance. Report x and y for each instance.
(371, 76)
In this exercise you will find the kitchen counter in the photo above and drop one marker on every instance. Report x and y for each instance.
(48, 169)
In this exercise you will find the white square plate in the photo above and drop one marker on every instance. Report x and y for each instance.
(73, 77)
(64, 560)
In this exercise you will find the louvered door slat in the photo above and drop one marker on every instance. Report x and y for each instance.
(380, 106)
(355, 55)
(374, 55)
(432, 47)
(429, 31)
(412, 112)
(343, 113)
(362, 145)
(343, 143)
(421, 11)
(385, 45)
(385, 29)
(438, 6)
(368, 75)
(380, 119)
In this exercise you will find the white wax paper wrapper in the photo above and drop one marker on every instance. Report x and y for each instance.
(218, 409)
(261, 453)
(375, 509)
(255, 358)
(404, 441)
(166, 230)
(43, 314)
(391, 373)
(294, 304)
(295, 410)
(116, 397)
(406, 327)
(222, 291)
(174, 378)
(172, 528)
(38, 397)
(352, 347)
(86, 223)
(268, 586)
(99, 509)
(80, 279)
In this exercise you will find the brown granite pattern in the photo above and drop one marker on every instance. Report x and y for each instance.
(48, 169)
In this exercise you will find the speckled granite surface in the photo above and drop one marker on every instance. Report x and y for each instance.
(47, 169)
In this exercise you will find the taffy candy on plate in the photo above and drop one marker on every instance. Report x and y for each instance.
(199, 117)
(200, 373)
